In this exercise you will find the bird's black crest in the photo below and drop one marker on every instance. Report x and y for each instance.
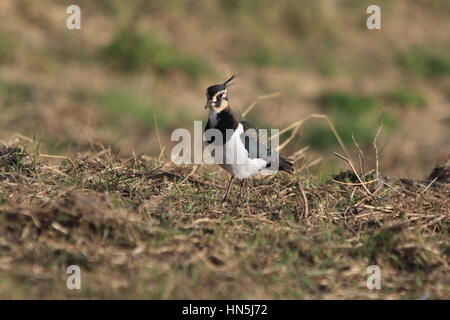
(212, 90)
(227, 83)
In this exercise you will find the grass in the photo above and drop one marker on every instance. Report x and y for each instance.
(12, 93)
(325, 65)
(131, 50)
(425, 63)
(406, 98)
(263, 56)
(141, 228)
(351, 114)
(145, 229)
(358, 115)
(299, 19)
(345, 103)
(123, 103)
(7, 48)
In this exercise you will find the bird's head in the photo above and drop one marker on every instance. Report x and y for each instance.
(217, 96)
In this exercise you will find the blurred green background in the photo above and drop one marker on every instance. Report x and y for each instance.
(139, 67)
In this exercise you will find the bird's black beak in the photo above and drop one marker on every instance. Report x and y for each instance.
(209, 104)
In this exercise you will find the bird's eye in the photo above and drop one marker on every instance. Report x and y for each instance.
(219, 96)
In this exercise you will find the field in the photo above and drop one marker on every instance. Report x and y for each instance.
(85, 171)
(147, 229)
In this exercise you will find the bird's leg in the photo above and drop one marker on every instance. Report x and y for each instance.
(241, 187)
(252, 186)
(247, 184)
(228, 189)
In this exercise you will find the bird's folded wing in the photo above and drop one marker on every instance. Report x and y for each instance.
(255, 141)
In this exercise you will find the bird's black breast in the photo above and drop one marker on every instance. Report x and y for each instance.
(227, 119)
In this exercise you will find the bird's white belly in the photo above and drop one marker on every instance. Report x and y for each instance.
(236, 157)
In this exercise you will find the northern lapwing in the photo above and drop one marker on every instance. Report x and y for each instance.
(242, 152)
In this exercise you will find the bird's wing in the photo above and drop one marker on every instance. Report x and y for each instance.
(255, 141)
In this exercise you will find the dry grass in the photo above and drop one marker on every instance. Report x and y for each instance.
(141, 228)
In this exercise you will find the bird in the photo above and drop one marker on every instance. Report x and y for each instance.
(243, 143)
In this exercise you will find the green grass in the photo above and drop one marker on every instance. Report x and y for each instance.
(144, 111)
(326, 65)
(7, 48)
(298, 23)
(297, 18)
(358, 114)
(346, 103)
(131, 50)
(12, 93)
(425, 63)
(405, 98)
(350, 113)
(268, 56)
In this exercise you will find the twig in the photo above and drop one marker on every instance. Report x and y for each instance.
(254, 102)
(429, 185)
(161, 148)
(354, 184)
(389, 186)
(189, 175)
(354, 171)
(296, 126)
(377, 168)
(310, 164)
(52, 156)
(429, 223)
(305, 200)
(297, 155)
(360, 156)
(24, 137)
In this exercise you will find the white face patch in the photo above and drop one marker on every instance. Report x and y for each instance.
(218, 106)
(219, 95)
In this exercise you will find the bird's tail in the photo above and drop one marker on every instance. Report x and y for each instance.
(285, 165)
